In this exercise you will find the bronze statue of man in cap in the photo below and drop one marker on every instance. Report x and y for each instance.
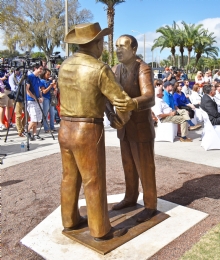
(85, 83)
(137, 136)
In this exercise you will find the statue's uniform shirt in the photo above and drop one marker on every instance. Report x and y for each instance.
(84, 84)
(137, 136)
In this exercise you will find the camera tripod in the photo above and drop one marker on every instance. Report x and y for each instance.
(20, 86)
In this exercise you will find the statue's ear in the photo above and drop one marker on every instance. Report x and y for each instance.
(134, 50)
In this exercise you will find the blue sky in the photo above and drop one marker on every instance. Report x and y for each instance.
(146, 16)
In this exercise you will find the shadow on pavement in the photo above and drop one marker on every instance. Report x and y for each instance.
(207, 186)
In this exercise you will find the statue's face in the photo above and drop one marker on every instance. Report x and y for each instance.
(124, 50)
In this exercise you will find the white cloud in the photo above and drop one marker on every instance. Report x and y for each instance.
(213, 25)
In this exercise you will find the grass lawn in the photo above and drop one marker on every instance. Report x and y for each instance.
(208, 248)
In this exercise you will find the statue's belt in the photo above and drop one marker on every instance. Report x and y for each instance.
(82, 119)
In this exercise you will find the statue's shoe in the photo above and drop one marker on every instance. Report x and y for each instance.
(83, 220)
(112, 234)
(123, 204)
(146, 214)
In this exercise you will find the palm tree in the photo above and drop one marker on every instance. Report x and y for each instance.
(110, 16)
(168, 39)
(193, 34)
(206, 48)
(181, 43)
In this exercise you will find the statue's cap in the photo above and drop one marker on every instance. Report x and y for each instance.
(85, 33)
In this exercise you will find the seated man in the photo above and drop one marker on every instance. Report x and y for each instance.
(186, 89)
(168, 97)
(209, 105)
(165, 114)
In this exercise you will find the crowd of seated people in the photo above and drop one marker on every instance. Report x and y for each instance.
(179, 96)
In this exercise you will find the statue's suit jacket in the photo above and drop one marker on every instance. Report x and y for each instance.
(138, 85)
(137, 135)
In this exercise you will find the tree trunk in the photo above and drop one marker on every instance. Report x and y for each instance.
(111, 14)
(198, 56)
(173, 56)
(189, 53)
(182, 61)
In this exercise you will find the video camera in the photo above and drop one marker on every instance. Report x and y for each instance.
(54, 57)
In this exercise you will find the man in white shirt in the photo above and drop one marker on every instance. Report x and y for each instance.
(186, 89)
(14, 79)
(208, 77)
(166, 115)
(217, 75)
(217, 95)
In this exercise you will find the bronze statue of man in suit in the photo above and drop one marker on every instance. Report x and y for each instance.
(85, 83)
(137, 136)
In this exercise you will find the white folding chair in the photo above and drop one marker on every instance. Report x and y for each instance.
(210, 134)
(198, 115)
(106, 121)
(166, 131)
(194, 120)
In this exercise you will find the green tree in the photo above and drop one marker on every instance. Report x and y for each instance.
(8, 54)
(168, 39)
(38, 55)
(42, 23)
(110, 17)
(206, 48)
(165, 63)
(193, 34)
(181, 43)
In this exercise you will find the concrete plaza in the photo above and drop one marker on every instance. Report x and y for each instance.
(191, 152)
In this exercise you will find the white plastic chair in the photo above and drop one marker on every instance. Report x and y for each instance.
(198, 115)
(106, 121)
(210, 134)
(165, 131)
(194, 120)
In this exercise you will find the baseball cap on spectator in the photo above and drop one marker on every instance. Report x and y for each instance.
(167, 83)
(171, 67)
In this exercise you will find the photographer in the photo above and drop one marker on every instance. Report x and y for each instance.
(49, 90)
(34, 100)
(14, 80)
(5, 102)
(170, 75)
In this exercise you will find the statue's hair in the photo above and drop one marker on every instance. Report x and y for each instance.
(134, 43)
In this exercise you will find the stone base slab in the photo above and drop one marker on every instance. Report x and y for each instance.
(47, 239)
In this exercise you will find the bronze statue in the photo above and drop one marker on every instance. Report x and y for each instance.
(137, 136)
(85, 83)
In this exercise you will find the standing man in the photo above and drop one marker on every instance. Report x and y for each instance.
(137, 136)
(34, 93)
(85, 82)
(14, 81)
